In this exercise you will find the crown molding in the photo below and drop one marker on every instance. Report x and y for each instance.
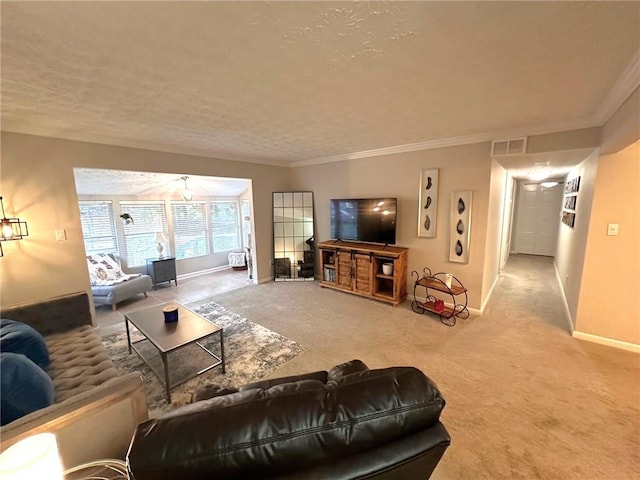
(554, 127)
(626, 84)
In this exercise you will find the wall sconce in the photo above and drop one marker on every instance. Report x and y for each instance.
(187, 195)
(11, 228)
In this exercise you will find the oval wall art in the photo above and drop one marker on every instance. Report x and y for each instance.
(460, 231)
(428, 203)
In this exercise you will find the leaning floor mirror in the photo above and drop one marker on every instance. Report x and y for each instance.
(293, 237)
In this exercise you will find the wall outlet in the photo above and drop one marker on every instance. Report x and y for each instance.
(61, 235)
(612, 229)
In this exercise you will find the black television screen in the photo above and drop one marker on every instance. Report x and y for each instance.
(364, 219)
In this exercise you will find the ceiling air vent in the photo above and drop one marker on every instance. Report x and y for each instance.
(511, 146)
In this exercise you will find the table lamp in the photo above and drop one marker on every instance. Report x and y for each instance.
(161, 238)
(32, 458)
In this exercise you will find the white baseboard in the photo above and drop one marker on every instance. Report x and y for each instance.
(203, 272)
(609, 342)
(564, 300)
(486, 300)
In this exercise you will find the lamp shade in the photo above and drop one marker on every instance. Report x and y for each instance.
(31, 458)
(161, 237)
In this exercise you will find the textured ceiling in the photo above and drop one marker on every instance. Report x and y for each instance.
(296, 81)
(118, 182)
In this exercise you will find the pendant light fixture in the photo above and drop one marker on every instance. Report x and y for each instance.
(187, 195)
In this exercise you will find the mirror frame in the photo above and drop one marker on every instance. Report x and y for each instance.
(293, 236)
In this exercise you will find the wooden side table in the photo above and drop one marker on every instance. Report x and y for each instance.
(162, 270)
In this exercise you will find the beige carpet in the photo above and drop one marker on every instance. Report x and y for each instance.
(524, 399)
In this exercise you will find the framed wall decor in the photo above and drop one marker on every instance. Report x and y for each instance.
(571, 189)
(572, 186)
(570, 202)
(428, 203)
(569, 218)
(460, 227)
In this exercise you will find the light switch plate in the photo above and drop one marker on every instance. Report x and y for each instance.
(61, 235)
(612, 229)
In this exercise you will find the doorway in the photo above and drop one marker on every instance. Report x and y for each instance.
(538, 219)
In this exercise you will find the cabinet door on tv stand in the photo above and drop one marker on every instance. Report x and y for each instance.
(343, 265)
(363, 269)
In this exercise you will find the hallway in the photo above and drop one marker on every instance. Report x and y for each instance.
(529, 283)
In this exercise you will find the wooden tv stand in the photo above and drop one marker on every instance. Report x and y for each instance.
(356, 267)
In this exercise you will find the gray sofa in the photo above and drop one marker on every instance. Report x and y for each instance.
(109, 284)
(96, 409)
(113, 294)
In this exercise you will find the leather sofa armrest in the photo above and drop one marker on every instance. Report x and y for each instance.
(413, 456)
(95, 424)
(320, 375)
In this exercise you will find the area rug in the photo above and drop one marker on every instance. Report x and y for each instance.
(252, 352)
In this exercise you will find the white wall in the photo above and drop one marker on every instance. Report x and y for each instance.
(494, 229)
(570, 252)
(507, 219)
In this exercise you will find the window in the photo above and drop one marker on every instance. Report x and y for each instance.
(245, 206)
(190, 229)
(140, 243)
(98, 231)
(225, 225)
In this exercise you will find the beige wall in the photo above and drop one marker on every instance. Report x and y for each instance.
(37, 182)
(567, 140)
(467, 167)
(609, 303)
(600, 273)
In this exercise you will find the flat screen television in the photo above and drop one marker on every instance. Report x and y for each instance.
(364, 219)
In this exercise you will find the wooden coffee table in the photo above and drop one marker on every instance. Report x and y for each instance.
(191, 328)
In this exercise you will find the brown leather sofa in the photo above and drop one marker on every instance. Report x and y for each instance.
(350, 422)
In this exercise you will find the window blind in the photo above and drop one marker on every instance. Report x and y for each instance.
(98, 230)
(225, 225)
(140, 243)
(190, 229)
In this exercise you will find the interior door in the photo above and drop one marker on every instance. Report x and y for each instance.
(538, 219)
